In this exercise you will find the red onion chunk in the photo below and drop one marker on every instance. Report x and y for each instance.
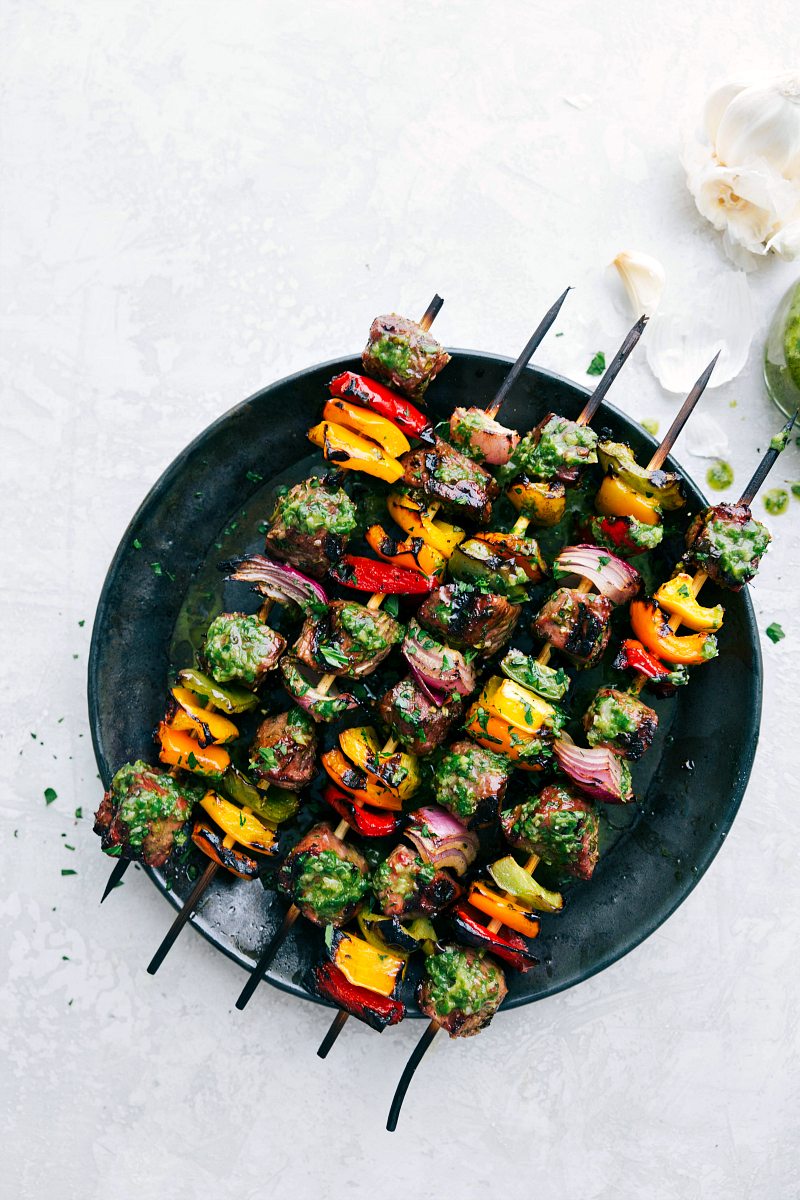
(277, 580)
(442, 840)
(599, 773)
(614, 578)
(439, 669)
(302, 684)
(436, 697)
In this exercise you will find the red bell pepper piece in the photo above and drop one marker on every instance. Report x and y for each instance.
(633, 657)
(381, 400)
(375, 1010)
(616, 531)
(369, 575)
(509, 947)
(364, 820)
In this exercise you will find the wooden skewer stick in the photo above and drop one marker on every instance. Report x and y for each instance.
(431, 312)
(519, 366)
(190, 905)
(612, 371)
(120, 867)
(682, 416)
(768, 461)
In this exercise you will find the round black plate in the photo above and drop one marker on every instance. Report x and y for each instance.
(207, 505)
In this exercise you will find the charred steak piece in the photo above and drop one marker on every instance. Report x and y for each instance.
(462, 614)
(349, 639)
(558, 825)
(284, 750)
(144, 815)
(419, 724)
(459, 484)
(576, 623)
(463, 989)
(324, 877)
(727, 543)
(310, 526)
(406, 886)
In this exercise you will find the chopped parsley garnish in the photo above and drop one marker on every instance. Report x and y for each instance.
(597, 365)
(774, 632)
(50, 794)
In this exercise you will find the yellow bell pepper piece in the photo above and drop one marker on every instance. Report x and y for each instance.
(616, 499)
(412, 518)
(506, 718)
(414, 555)
(677, 597)
(206, 725)
(543, 502)
(180, 749)
(369, 424)
(650, 624)
(239, 824)
(516, 705)
(396, 771)
(365, 966)
(353, 453)
(356, 782)
(505, 910)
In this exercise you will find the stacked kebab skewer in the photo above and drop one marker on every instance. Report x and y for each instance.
(376, 915)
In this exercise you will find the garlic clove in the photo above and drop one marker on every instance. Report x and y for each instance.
(643, 278)
(716, 104)
(763, 123)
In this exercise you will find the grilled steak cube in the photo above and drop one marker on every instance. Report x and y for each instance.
(349, 639)
(558, 825)
(402, 354)
(241, 648)
(325, 878)
(463, 989)
(620, 721)
(470, 782)
(556, 448)
(310, 526)
(576, 623)
(406, 886)
(460, 485)
(144, 814)
(419, 724)
(284, 750)
(727, 543)
(464, 615)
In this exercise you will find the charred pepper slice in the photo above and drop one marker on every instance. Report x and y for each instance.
(374, 1010)
(361, 390)
(367, 575)
(363, 820)
(510, 948)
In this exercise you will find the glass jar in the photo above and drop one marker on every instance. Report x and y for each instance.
(782, 353)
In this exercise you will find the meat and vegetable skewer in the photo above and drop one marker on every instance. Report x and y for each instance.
(451, 481)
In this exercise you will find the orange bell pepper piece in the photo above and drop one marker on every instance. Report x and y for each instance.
(212, 843)
(369, 424)
(503, 909)
(496, 734)
(413, 519)
(616, 499)
(353, 453)
(357, 783)
(415, 554)
(650, 624)
(180, 749)
(203, 723)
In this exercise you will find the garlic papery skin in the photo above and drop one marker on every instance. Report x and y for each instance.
(643, 278)
(745, 179)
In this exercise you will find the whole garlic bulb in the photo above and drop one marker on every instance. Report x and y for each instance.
(745, 178)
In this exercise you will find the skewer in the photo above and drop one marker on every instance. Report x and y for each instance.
(120, 867)
(748, 495)
(768, 462)
(544, 656)
(431, 312)
(612, 371)
(533, 342)
(189, 906)
(599, 394)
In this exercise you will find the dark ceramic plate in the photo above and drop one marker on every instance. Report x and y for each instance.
(208, 505)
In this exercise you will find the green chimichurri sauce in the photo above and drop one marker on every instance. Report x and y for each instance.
(791, 338)
(720, 476)
(776, 501)
(455, 982)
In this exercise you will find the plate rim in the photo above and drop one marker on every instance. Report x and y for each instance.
(714, 842)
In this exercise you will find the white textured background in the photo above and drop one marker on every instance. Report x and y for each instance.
(198, 198)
